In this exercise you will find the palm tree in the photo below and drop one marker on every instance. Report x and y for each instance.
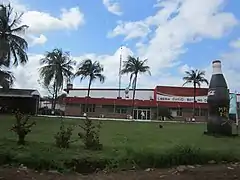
(195, 77)
(93, 70)
(12, 45)
(57, 67)
(6, 79)
(134, 66)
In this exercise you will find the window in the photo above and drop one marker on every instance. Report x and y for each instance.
(88, 108)
(108, 108)
(197, 112)
(176, 112)
(73, 105)
(179, 111)
(204, 112)
(121, 110)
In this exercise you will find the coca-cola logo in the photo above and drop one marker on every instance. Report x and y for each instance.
(211, 92)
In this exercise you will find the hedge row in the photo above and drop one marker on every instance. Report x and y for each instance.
(44, 159)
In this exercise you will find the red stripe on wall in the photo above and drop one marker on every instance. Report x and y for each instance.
(128, 102)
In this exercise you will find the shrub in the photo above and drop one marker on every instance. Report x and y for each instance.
(22, 126)
(63, 137)
(90, 134)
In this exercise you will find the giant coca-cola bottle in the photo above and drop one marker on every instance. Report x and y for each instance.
(218, 103)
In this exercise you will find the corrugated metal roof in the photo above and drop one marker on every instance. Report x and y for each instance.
(19, 92)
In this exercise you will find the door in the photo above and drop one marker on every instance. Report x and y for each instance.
(142, 114)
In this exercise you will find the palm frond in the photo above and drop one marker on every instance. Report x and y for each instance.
(16, 46)
(93, 70)
(195, 76)
(6, 79)
(56, 67)
(187, 82)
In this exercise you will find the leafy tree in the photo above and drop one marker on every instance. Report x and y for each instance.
(134, 66)
(22, 126)
(93, 70)
(57, 67)
(196, 78)
(12, 45)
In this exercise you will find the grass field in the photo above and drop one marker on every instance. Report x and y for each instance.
(118, 139)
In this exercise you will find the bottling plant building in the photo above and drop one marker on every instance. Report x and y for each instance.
(106, 103)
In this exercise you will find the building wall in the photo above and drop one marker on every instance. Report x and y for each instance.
(180, 101)
(143, 94)
(48, 104)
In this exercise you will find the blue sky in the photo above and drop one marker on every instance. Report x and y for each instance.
(174, 35)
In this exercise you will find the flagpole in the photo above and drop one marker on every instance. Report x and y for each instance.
(119, 74)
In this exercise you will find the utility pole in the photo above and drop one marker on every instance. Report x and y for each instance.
(236, 111)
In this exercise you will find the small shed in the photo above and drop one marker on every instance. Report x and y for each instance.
(26, 100)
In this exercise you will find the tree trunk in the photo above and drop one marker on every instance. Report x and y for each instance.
(89, 87)
(88, 94)
(134, 93)
(21, 139)
(194, 98)
(52, 101)
(55, 97)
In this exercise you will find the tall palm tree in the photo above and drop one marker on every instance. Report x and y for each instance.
(134, 66)
(93, 70)
(57, 67)
(12, 45)
(195, 77)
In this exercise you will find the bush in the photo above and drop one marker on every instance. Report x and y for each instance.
(63, 137)
(22, 127)
(90, 134)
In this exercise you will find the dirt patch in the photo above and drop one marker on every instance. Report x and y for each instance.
(212, 172)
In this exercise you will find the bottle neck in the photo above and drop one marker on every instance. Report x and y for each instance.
(217, 69)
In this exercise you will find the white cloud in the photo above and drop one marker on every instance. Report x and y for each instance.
(235, 44)
(175, 24)
(27, 76)
(111, 67)
(231, 69)
(16, 4)
(40, 22)
(130, 30)
(113, 6)
(38, 40)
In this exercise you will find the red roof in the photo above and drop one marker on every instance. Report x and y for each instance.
(107, 89)
(181, 91)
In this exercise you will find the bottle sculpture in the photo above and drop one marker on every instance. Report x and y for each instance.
(218, 103)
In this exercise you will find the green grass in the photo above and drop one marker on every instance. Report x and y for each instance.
(120, 141)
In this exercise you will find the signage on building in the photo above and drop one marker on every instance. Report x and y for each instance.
(169, 98)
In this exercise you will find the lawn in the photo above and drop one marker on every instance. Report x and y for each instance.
(119, 139)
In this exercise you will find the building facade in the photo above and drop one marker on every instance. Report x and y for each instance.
(106, 103)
